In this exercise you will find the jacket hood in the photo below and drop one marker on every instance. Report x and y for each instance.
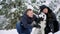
(43, 7)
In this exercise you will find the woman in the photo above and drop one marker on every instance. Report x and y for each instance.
(25, 27)
(51, 21)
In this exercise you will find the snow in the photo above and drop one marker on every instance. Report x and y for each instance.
(58, 6)
(55, 33)
(14, 31)
(0, 0)
(0, 6)
(13, 0)
(13, 9)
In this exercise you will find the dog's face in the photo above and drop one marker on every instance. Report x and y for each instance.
(42, 16)
(42, 24)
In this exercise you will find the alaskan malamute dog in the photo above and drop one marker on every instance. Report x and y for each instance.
(42, 24)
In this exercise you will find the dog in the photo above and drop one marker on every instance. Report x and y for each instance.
(42, 23)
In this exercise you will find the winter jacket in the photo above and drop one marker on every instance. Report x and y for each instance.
(25, 27)
(51, 21)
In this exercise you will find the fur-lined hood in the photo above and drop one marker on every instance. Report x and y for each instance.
(44, 6)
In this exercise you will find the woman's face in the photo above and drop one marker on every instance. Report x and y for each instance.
(45, 10)
(30, 13)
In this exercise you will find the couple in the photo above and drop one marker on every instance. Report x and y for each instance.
(25, 27)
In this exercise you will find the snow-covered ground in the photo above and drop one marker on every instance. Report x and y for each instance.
(14, 31)
(55, 33)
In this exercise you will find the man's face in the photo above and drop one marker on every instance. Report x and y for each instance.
(30, 13)
(45, 10)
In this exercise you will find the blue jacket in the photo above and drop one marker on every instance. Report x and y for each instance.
(25, 27)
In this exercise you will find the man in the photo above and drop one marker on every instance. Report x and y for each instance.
(25, 27)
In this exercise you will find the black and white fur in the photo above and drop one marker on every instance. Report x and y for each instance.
(42, 24)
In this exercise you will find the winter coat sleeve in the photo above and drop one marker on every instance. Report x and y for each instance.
(54, 17)
(55, 22)
(25, 23)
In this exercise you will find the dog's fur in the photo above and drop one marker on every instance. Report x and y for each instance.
(42, 24)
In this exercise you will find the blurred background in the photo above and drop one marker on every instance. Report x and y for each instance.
(12, 10)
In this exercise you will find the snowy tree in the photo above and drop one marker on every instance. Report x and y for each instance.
(14, 9)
